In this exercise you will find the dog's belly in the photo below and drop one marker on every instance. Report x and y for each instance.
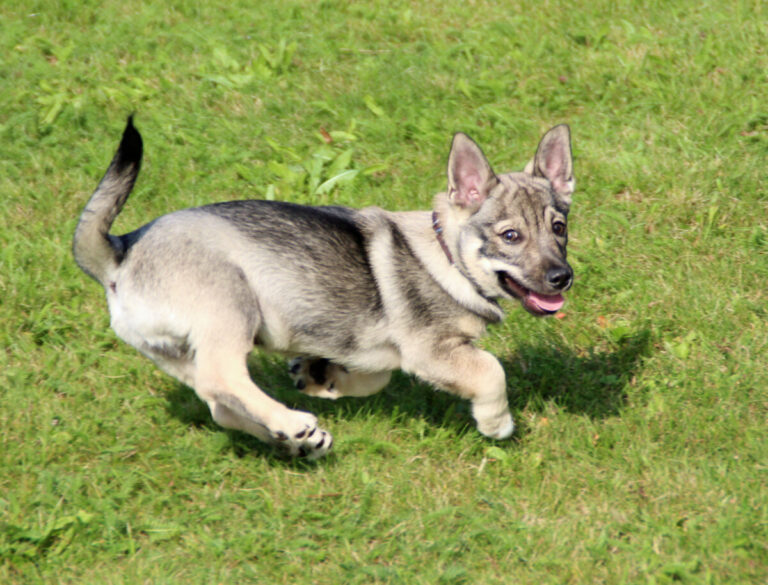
(375, 359)
(367, 348)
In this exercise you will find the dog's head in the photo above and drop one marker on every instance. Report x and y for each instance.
(510, 231)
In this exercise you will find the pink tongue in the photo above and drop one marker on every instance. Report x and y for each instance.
(549, 303)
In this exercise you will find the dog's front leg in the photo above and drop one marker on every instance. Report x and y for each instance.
(474, 374)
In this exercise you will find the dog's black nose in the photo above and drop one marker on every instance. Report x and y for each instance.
(560, 278)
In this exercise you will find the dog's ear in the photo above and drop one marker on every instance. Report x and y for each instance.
(470, 177)
(554, 161)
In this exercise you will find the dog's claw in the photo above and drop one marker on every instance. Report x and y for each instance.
(302, 440)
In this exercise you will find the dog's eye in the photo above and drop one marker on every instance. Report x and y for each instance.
(559, 228)
(511, 236)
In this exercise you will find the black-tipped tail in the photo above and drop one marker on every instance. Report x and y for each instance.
(95, 252)
(131, 148)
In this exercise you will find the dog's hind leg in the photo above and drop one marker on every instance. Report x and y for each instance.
(223, 382)
(469, 372)
(222, 339)
(202, 333)
(322, 378)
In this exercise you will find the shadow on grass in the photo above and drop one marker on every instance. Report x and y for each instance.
(592, 385)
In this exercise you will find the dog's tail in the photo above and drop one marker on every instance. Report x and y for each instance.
(96, 252)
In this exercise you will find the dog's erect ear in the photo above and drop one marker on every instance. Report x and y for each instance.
(470, 177)
(554, 161)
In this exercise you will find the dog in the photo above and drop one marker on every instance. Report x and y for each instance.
(349, 294)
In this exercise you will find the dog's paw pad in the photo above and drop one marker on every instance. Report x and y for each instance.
(313, 377)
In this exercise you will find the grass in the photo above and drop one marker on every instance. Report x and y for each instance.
(641, 452)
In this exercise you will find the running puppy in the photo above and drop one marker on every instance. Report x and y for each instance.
(350, 294)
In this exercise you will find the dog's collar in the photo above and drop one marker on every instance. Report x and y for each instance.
(439, 233)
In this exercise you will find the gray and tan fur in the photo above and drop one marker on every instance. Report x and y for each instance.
(350, 294)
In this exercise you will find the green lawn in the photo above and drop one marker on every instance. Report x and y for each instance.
(641, 453)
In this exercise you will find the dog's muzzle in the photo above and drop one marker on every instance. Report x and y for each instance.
(537, 303)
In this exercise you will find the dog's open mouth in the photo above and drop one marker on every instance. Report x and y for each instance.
(535, 303)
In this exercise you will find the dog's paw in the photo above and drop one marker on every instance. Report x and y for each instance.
(495, 427)
(314, 377)
(301, 437)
